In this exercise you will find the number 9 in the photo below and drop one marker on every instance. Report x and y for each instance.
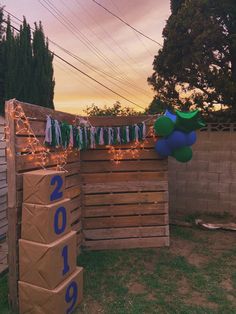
(71, 296)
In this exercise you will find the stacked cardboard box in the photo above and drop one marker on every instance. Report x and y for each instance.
(49, 281)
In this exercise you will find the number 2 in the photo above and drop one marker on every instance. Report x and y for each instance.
(71, 296)
(56, 194)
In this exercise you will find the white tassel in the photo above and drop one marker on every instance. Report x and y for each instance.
(136, 132)
(109, 136)
(127, 134)
(144, 130)
(92, 137)
(48, 132)
(71, 136)
(86, 137)
(118, 135)
(101, 137)
(58, 132)
(80, 137)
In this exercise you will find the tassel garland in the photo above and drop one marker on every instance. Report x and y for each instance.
(87, 137)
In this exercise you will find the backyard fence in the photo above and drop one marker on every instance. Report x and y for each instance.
(112, 206)
(3, 184)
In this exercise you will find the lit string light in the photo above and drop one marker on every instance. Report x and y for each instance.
(35, 148)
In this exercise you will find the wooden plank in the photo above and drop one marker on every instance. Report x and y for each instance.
(126, 243)
(126, 221)
(71, 169)
(71, 192)
(125, 198)
(40, 113)
(95, 188)
(124, 177)
(105, 155)
(12, 210)
(125, 210)
(30, 162)
(77, 226)
(119, 233)
(75, 215)
(127, 165)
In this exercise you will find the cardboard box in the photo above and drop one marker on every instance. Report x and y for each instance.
(47, 265)
(43, 186)
(36, 300)
(45, 223)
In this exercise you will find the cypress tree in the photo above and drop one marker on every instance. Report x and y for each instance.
(26, 69)
(43, 81)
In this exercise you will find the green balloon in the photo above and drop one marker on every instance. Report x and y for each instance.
(183, 154)
(164, 126)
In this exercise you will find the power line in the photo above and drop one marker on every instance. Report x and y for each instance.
(90, 66)
(126, 23)
(73, 29)
(88, 76)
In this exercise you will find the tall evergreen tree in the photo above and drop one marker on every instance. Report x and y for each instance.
(43, 81)
(26, 69)
(197, 64)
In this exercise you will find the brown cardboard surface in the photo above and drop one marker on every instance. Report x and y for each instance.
(37, 187)
(36, 300)
(38, 221)
(43, 264)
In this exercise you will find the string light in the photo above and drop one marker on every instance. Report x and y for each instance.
(34, 147)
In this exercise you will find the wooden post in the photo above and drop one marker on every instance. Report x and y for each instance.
(12, 208)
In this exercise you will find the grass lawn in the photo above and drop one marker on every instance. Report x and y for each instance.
(197, 274)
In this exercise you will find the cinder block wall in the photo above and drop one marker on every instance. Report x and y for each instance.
(208, 182)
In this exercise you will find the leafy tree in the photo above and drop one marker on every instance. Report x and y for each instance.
(26, 69)
(197, 65)
(115, 110)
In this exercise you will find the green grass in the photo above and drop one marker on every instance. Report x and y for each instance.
(146, 281)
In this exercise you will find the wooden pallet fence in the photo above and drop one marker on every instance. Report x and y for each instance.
(19, 162)
(3, 183)
(112, 206)
(125, 205)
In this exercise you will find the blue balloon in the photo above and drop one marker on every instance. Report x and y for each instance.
(177, 139)
(191, 138)
(162, 148)
(170, 115)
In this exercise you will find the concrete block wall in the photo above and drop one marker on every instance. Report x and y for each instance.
(208, 182)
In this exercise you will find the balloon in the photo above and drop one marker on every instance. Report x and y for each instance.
(191, 138)
(164, 126)
(170, 115)
(189, 121)
(177, 139)
(162, 148)
(183, 154)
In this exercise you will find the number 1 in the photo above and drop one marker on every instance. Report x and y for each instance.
(65, 259)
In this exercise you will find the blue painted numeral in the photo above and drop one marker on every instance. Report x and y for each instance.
(56, 194)
(65, 259)
(71, 296)
(58, 229)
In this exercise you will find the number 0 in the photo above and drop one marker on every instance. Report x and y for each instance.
(61, 211)
(71, 296)
(56, 194)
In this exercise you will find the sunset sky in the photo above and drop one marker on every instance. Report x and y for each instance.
(103, 43)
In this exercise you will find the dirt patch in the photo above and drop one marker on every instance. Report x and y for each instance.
(198, 299)
(227, 284)
(183, 286)
(149, 266)
(137, 288)
(92, 307)
(151, 297)
(222, 241)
